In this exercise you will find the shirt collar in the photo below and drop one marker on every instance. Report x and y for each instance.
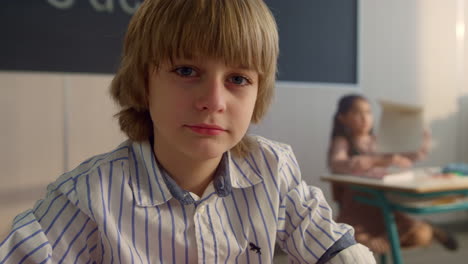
(221, 182)
(152, 185)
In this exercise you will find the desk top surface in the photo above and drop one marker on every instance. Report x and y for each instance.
(426, 180)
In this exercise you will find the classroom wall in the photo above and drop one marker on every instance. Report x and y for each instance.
(410, 54)
(407, 53)
(50, 124)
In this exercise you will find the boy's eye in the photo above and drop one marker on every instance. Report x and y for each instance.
(239, 80)
(185, 71)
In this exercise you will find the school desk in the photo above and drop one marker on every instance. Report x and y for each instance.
(426, 193)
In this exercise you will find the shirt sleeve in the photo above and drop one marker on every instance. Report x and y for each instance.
(306, 230)
(55, 231)
(354, 254)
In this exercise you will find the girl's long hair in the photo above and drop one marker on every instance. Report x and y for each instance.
(339, 130)
(344, 106)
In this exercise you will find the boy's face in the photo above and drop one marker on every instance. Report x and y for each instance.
(200, 108)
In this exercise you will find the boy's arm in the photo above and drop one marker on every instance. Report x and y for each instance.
(306, 230)
(54, 231)
(354, 254)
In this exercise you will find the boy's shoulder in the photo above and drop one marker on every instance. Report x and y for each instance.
(270, 149)
(269, 143)
(90, 166)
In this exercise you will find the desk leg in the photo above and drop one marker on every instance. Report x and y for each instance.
(392, 231)
(379, 200)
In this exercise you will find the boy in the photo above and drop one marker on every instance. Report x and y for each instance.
(188, 186)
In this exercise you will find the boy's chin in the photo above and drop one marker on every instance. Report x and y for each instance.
(206, 155)
(207, 151)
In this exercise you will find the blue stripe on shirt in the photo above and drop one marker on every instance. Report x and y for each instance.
(32, 252)
(160, 242)
(146, 236)
(119, 225)
(157, 179)
(273, 214)
(73, 241)
(79, 254)
(263, 220)
(185, 234)
(215, 249)
(66, 228)
(201, 238)
(305, 244)
(17, 245)
(232, 229)
(293, 176)
(224, 230)
(57, 216)
(251, 223)
(173, 232)
(48, 208)
(16, 229)
(109, 190)
(104, 211)
(45, 260)
(90, 208)
(29, 212)
(133, 231)
(137, 173)
(265, 159)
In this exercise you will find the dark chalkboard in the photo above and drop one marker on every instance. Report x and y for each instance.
(318, 40)
(317, 37)
(39, 36)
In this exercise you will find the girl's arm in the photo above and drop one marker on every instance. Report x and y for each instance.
(341, 162)
(392, 159)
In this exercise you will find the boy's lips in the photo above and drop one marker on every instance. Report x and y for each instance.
(206, 129)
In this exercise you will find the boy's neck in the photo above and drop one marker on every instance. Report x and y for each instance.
(191, 175)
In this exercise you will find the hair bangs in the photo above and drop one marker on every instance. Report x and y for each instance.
(226, 29)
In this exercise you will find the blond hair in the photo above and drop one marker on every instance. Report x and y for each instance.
(240, 32)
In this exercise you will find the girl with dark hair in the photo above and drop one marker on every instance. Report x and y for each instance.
(353, 151)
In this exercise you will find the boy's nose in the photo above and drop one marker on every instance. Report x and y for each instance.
(212, 96)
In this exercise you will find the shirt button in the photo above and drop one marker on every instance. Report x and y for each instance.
(221, 185)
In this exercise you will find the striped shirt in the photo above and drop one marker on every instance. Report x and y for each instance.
(123, 207)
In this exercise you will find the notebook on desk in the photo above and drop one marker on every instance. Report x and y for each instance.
(388, 175)
(400, 128)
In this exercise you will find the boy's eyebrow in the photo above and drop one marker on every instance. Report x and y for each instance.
(199, 59)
